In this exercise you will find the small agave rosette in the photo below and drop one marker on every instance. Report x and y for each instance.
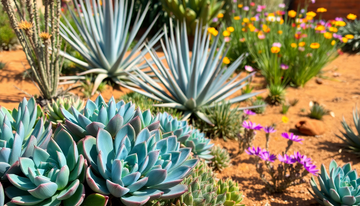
(52, 176)
(135, 167)
(340, 187)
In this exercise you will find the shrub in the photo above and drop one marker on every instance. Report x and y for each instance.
(351, 32)
(343, 192)
(192, 83)
(7, 35)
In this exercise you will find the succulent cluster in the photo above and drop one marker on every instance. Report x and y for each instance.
(232, 192)
(339, 187)
(54, 109)
(221, 158)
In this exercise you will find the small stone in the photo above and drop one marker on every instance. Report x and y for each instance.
(318, 81)
(332, 114)
(310, 127)
(335, 74)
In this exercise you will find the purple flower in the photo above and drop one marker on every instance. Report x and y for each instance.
(282, 5)
(338, 19)
(215, 19)
(266, 156)
(250, 125)
(302, 159)
(313, 1)
(276, 44)
(302, 10)
(246, 8)
(292, 137)
(311, 168)
(286, 159)
(254, 151)
(249, 112)
(269, 129)
(284, 66)
(249, 68)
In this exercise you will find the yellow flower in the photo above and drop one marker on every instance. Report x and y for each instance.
(251, 27)
(265, 28)
(340, 23)
(240, 5)
(351, 16)
(44, 36)
(210, 29)
(221, 15)
(309, 18)
(349, 36)
(236, 17)
(320, 28)
(226, 33)
(321, 10)
(327, 35)
(292, 13)
(226, 60)
(333, 42)
(344, 39)
(246, 20)
(314, 45)
(293, 45)
(281, 21)
(271, 14)
(302, 43)
(275, 49)
(253, 19)
(25, 25)
(215, 32)
(333, 29)
(280, 32)
(285, 119)
(230, 29)
(311, 14)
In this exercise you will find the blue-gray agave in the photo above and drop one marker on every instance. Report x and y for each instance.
(136, 166)
(351, 139)
(104, 39)
(52, 176)
(191, 83)
(340, 187)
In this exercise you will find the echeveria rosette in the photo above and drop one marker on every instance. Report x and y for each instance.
(52, 176)
(109, 116)
(16, 144)
(136, 167)
(340, 187)
(53, 110)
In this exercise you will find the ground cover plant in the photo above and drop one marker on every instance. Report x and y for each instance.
(351, 34)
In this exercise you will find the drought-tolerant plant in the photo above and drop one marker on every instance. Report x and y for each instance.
(256, 102)
(276, 94)
(87, 87)
(293, 102)
(232, 192)
(285, 108)
(225, 121)
(135, 164)
(338, 187)
(221, 158)
(52, 176)
(155, 9)
(246, 139)
(2, 65)
(103, 38)
(194, 12)
(7, 35)
(291, 170)
(317, 111)
(192, 82)
(146, 103)
(53, 110)
(351, 139)
(351, 32)
(42, 47)
(112, 115)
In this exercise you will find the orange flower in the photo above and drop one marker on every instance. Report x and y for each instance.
(221, 15)
(327, 35)
(292, 13)
(293, 45)
(280, 32)
(349, 36)
(246, 20)
(311, 13)
(237, 18)
(253, 19)
(351, 16)
(242, 40)
(275, 49)
(265, 28)
(320, 28)
(321, 10)
(302, 43)
(240, 5)
(333, 29)
(314, 45)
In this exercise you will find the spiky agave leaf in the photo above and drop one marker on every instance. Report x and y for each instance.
(136, 166)
(192, 82)
(350, 138)
(112, 116)
(104, 38)
(339, 187)
(52, 176)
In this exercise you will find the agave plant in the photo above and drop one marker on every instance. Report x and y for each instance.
(351, 139)
(136, 166)
(340, 187)
(54, 112)
(111, 116)
(191, 83)
(52, 176)
(104, 38)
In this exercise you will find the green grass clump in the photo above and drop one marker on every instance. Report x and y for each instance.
(317, 112)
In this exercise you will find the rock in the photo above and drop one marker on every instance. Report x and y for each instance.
(318, 81)
(335, 74)
(310, 127)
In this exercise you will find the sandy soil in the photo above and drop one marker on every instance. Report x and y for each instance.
(339, 96)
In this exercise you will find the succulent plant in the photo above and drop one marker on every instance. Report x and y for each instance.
(2, 195)
(137, 165)
(191, 83)
(232, 191)
(27, 113)
(339, 187)
(54, 112)
(195, 12)
(351, 139)
(104, 39)
(52, 176)
(276, 94)
(221, 158)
